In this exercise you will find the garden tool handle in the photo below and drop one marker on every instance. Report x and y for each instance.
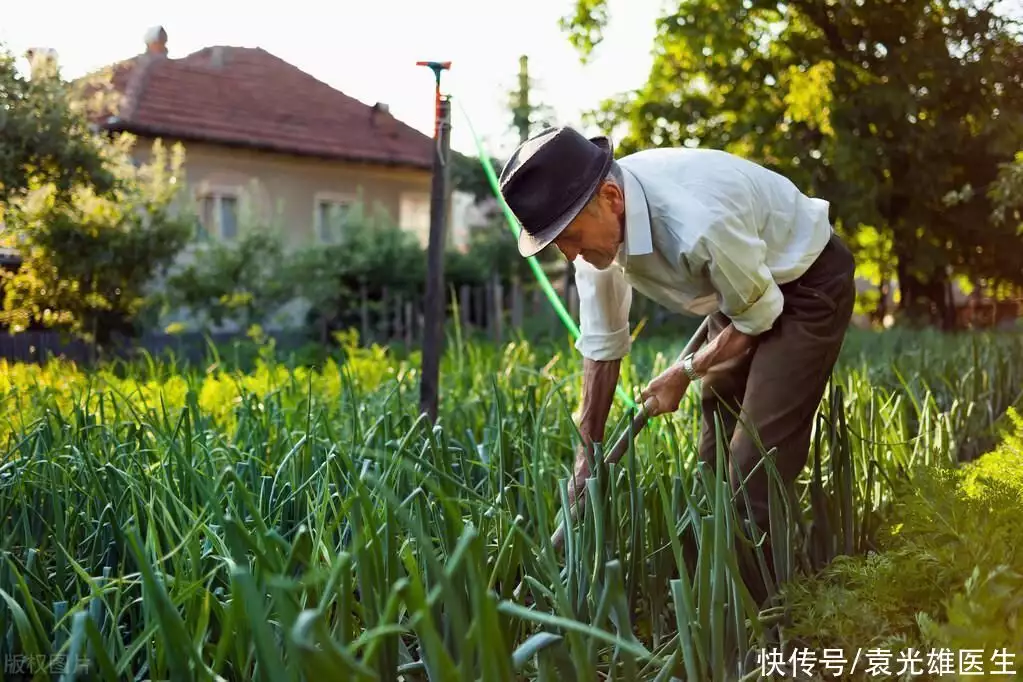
(613, 455)
(638, 422)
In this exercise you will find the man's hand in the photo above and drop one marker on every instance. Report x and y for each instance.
(578, 482)
(666, 390)
(599, 380)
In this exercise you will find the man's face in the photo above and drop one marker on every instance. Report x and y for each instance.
(596, 233)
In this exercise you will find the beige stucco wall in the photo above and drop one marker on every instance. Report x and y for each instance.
(280, 190)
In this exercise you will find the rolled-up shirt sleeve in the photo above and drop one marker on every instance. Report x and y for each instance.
(604, 301)
(735, 258)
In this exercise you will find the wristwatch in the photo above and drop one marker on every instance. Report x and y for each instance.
(687, 367)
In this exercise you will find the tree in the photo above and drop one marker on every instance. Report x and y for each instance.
(467, 175)
(93, 228)
(46, 135)
(87, 262)
(526, 112)
(885, 108)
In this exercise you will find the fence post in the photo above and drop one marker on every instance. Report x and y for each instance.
(516, 302)
(409, 333)
(573, 301)
(497, 307)
(464, 301)
(479, 298)
(364, 312)
(382, 316)
(419, 313)
(399, 327)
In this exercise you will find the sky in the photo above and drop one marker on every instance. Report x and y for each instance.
(369, 50)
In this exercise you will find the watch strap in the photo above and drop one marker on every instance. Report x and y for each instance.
(687, 367)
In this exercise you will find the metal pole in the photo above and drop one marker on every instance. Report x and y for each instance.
(433, 313)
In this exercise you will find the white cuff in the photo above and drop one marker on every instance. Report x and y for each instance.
(603, 347)
(760, 317)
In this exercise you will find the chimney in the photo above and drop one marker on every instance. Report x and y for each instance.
(156, 41)
(217, 56)
(381, 118)
(42, 61)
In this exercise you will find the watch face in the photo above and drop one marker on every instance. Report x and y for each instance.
(687, 365)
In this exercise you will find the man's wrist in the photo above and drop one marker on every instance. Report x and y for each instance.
(689, 367)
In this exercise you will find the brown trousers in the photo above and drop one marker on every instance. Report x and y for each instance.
(777, 387)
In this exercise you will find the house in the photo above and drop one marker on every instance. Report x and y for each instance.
(269, 143)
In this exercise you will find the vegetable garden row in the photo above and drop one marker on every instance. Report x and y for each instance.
(282, 523)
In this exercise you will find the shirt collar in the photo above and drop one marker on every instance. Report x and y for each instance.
(638, 238)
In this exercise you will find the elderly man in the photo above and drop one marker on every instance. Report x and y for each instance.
(704, 232)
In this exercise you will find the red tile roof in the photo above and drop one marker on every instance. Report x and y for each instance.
(248, 97)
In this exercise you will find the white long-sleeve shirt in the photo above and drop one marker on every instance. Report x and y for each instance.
(704, 231)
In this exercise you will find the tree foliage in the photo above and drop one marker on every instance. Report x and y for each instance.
(45, 133)
(92, 227)
(1007, 194)
(87, 262)
(885, 108)
(467, 175)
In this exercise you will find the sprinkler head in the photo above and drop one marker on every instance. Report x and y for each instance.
(436, 67)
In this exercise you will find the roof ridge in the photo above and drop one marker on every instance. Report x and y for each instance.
(257, 99)
(221, 46)
(310, 77)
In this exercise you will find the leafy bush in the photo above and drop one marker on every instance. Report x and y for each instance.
(372, 254)
(491, 251)
(246, 281)
(950, 573)
(243, 281)
(88, 259)
(377, 259)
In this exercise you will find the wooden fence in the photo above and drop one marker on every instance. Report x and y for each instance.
(38, 346)
(494, 312)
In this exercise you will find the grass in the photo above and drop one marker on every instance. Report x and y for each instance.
(286, 523)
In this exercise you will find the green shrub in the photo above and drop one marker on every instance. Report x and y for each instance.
(949, 573)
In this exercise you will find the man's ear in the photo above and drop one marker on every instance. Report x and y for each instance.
(613, 196)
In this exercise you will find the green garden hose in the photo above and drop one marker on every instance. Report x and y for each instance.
(541, 276)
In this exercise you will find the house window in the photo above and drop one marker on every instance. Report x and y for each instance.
(332, 213)
(414, 215)
(219, 215)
